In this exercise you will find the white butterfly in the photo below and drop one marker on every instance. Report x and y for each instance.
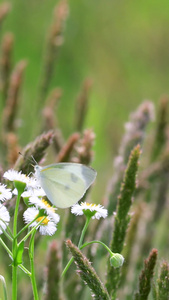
(65, 183)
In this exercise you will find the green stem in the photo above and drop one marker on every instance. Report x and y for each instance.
(81, 247)
(31, 256)
(11, 256)
(8, 236)
(26, 226)
(14, 249)
(14, 282)
(79, 244)
(16, 214)
(24, 270)
(32, 230)
(10, 232)
(6, 248)
(67, 267)
(4, 287)
(98, 242)
(84, 231)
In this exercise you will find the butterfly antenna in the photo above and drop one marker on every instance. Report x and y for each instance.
(34, 160)
(30, 159)
(20, 153)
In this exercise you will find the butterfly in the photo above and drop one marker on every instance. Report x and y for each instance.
(65, 183)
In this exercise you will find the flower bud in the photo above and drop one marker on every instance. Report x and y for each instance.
(116, 260)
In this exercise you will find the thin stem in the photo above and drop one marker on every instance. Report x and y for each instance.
(7, 235)
(84, 231)
(14, 282)
(79, 244)
(10, 232)
(26, 226)
(14, 249)
(4, 287)
(67, 266)
(32, 230)
(11, 256)
(83, 246)
(16, 214)
(6, 248)
(31, 256)
(24, 270)
(98, 242)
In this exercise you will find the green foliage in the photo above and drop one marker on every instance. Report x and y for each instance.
(146, 276)
(163, 282)
(122, 217)
(20, 249)
(87, 273)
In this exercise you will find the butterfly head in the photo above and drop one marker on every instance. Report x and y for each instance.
(37, 169)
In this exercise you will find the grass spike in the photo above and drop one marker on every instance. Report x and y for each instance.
(87, 273)
(122, 217)
(146, 276)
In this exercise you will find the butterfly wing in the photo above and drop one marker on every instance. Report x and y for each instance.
(66, 183)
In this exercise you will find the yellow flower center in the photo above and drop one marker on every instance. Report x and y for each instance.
(91, 205)
(44, 222)
(48, 205)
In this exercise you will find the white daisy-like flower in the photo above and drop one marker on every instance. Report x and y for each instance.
(32, 183)
(97, 211)
(43, 204)
(13, 175)
(30, 192)
(47, 227)
(4, 218)
(34, 192)
(5, 194)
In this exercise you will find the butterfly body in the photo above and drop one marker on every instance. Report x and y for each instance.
(65, 183)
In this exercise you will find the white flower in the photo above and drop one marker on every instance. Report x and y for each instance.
(5, 194)
(97, 210)
(30, 192)
(4, 218)
(32, 183)
(14, 175)
(37, 192)
(43, 204)
(47, 227)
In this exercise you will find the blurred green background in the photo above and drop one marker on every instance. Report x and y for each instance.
(121, 45)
